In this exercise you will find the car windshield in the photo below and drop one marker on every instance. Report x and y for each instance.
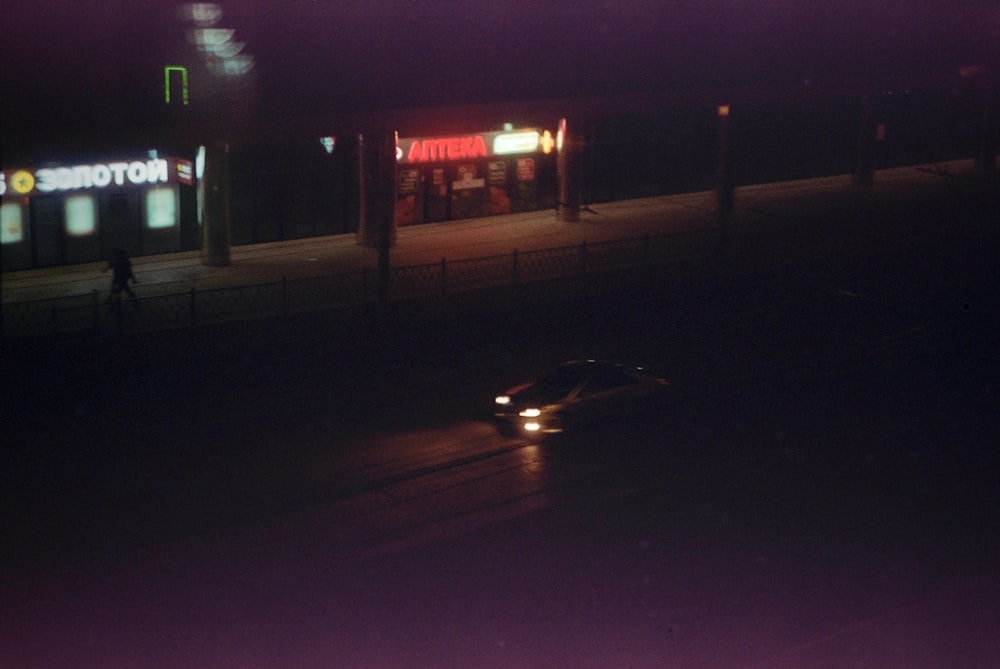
(606, 378)
(560, 381)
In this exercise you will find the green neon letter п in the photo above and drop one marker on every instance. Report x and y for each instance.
(166, 82)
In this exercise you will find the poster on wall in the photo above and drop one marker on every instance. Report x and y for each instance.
(526, 189)
(467, 178)
(497, 177)
(406, 196)
(467, 192)
(525, 169)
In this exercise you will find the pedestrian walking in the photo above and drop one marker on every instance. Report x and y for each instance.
(121, 274)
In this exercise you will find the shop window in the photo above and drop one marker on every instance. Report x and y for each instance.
(81, 215)
(161, 207)
(11, 223)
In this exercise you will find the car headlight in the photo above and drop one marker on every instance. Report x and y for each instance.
(530, 413)
(502, 400)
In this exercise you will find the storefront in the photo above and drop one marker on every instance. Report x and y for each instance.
(65, 214)
(466, 176)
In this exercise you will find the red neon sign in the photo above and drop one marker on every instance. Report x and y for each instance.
(448, 148)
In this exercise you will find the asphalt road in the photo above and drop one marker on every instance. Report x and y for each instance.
(822, 492)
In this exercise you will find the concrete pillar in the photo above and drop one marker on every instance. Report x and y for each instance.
(986, 155)
(376, 189)
(569, 166)
(366, 233)
(386, 208)
(864, 171)
(215, 230)
(377, 195)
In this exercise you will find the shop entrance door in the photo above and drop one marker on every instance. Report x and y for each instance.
(119, 223)
(437, 200)
(47, 231)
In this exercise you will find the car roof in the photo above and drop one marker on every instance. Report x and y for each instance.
(590, 364)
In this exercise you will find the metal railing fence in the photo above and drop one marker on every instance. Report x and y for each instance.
(88, 314)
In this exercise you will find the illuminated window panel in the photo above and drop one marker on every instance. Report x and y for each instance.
(81, 215)
(11, 223)
(516, 142)
(161, 207)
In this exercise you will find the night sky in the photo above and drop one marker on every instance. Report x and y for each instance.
(98, 62)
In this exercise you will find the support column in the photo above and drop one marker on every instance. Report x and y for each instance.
(215, 231)
(864, 171)
(986, 156)
(569, 166)
(386, 208)
(366, 234)
(376, 189)
(377, 195)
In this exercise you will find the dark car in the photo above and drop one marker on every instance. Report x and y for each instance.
(575, 395)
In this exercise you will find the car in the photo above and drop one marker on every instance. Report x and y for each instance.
(575, 395)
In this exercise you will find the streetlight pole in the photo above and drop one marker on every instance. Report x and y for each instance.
(723, 169)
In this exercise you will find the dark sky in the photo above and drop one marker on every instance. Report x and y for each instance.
(83, 64)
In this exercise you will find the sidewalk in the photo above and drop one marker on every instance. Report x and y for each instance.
(768, 204)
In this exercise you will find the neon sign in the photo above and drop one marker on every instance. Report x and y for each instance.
(450, 148)
(166, 82)
(185, 172)
(481, 145)
(515, 142)
(21, 182)
(547, 142)
(98, 175)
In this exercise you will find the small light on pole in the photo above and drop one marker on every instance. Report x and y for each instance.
(723, 177)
